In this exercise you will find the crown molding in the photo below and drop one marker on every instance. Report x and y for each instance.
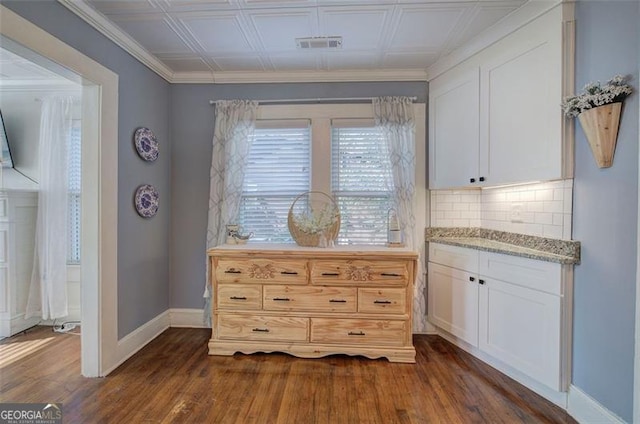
(509, 24)
(115, 34)
(299, 76)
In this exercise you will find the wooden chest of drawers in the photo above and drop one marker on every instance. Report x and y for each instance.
(312, 302)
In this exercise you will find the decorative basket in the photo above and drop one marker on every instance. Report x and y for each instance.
(314, 219)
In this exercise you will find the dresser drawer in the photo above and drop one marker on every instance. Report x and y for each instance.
(309, 298)
(383, 301)
(358, 331)
(253, 327)
(239, 296)
(262, 271)
(360, 272)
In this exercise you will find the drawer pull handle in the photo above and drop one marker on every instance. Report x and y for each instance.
(238, 298)
(382, 302)
(472, 279)
(288, 273)
(390, 274)
(232, 271)
(281, 299)
(337, 301)
(481, 281)
(354, 333)
(330, 274)
(260, 330)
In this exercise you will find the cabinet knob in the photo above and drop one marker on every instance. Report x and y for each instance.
(472, 278)
(481, 281)
(481, 178)
(472, 180)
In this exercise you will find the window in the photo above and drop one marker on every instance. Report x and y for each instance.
(362, 182)
(333, 148)
(278, 169)
(73, 196)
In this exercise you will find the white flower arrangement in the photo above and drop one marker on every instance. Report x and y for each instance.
(593, 95)
(317, 222)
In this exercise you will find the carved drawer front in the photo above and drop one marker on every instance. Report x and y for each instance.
(239, 296)
(253, 327)
(359, 272)
(262, 271)
(384, 301)
(309, 298)
(357, 331)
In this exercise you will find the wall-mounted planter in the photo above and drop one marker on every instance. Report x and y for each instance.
(600, 125)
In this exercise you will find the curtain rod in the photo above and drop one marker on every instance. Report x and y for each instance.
(316, 100)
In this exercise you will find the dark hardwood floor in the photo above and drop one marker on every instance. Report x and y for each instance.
(173, 380)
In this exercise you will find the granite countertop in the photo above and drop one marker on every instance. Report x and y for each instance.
(532, 247)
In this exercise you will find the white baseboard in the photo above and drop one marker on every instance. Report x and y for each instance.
(587, 410)
(187, 318)
(139, 338)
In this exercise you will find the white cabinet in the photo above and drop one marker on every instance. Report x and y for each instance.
(496, 118)
(18, 211)
(454, 128)
(516, 310)
(520, 119)
(453, 302)
(521, 327)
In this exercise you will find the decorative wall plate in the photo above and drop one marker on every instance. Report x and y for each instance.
(146, 200)
(146, 144)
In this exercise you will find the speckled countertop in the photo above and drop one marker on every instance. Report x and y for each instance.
(533, 247)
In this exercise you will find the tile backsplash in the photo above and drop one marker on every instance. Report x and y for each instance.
(539, 209)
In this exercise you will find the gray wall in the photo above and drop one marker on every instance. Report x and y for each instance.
(144, 99)
(192, 132)
(605, 215)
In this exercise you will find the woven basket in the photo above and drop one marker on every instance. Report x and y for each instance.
(312, 239)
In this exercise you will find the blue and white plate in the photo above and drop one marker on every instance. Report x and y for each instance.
(146, 200)
(146, 144)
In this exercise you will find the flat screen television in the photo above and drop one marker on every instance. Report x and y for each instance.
(7, 161)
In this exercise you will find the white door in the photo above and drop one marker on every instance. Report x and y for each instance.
(453, 301)
(521, 327)
(454, 102)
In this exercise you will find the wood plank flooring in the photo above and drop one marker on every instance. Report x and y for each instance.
(173, 380)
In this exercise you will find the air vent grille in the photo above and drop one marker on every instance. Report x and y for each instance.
(319, 43)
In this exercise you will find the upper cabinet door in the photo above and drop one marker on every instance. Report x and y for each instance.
(454, 113)
(521, 118)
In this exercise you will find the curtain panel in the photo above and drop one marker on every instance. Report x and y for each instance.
(395, 118)
(48, 289)
(235, 122)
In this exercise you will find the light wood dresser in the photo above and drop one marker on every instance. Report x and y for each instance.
(312, 302)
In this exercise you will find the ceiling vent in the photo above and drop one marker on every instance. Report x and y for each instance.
(319, 43)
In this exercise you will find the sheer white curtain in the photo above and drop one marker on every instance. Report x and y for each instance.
(235, 122)
(394, 117)
(48, 290)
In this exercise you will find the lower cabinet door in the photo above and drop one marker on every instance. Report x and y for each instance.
(521, 327)
(453, 301)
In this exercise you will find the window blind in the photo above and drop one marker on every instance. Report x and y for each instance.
(278, 170)
(73, 195)
(362, 183)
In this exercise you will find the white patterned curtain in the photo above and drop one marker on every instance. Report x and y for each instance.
(235, 122)
(395, 119)
(48, 290)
